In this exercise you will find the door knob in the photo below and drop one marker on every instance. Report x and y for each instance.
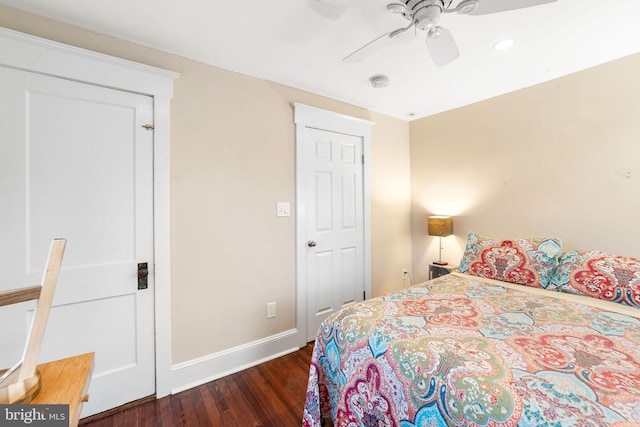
(311, 244)
(143, 273)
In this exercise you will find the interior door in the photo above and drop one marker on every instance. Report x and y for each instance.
(75, 162)
(335, 231)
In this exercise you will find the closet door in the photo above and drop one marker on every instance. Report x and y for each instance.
(335, 224)
(76, 163)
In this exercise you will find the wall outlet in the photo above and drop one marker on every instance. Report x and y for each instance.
(271, 310)
(404, 273)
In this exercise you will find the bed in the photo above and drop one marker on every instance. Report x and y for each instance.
(544, 345)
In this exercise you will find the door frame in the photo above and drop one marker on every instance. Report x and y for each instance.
(35, 54)
(317, 118)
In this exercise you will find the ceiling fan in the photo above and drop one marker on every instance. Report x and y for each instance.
(424, 15)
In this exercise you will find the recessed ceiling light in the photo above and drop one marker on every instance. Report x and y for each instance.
(503, 44)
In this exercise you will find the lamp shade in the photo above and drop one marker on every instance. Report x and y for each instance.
(440, 225)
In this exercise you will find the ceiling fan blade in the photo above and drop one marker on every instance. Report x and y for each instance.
(373, 46)
(376, 44)
(493, 6)
(362, 4)
(442, 47)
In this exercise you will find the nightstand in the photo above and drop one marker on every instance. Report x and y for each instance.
(440, 270)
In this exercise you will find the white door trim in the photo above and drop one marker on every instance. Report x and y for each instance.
(30, 53)
(312, 117)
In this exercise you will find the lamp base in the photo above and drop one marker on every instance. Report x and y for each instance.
(440, 262)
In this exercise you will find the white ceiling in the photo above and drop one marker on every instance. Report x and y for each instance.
(301, 43)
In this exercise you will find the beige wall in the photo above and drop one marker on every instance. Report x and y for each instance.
(232, 159)
(390, 190)
(548, 160)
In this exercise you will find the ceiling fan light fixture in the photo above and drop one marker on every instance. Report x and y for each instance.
(379, 81)
(434, 32)
(503, 44)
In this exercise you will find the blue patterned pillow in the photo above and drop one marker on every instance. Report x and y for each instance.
(599, 275)
(529, 261)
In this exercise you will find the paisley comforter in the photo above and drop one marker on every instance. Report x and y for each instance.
(464, 351)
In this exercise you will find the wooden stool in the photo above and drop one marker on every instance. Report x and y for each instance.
(66, 382)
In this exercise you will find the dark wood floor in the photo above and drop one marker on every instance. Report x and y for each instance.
(270, 394)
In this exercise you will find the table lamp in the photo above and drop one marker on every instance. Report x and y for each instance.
(441, 226)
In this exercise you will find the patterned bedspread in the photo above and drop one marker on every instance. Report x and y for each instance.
(462, 352)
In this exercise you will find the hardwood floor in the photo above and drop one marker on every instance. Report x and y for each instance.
(268, 395)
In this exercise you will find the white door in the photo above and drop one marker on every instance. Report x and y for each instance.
(335, 224)
(76, 163)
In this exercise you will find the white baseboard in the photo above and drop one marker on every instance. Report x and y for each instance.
(198, 371)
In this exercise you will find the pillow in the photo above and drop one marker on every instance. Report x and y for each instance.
(528, 261)
(599, 275)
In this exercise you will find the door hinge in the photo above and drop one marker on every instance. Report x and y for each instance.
(148, 127)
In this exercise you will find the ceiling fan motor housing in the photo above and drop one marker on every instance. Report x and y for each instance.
(425, 13)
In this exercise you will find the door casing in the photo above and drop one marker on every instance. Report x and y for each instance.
(312, 117)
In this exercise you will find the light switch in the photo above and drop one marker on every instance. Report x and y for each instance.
(284, 209)
(271, 310)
